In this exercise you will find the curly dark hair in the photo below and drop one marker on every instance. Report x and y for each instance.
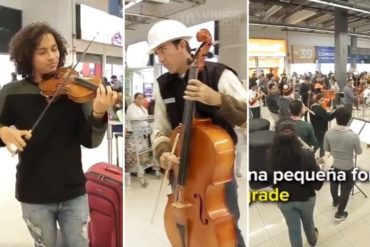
(24, 44)
(286, 151)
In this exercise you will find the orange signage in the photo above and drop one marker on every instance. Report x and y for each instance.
(267, 48)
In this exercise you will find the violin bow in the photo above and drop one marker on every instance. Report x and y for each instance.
(61, 85)
(164, 177)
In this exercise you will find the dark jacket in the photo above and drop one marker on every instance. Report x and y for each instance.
(172, 89)
(272, 103)
(320, 121)
(284, 110)
(303, 92)
(296, 190)
(50, 167)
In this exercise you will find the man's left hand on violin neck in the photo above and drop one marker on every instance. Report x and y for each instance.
(105, 99)
(198, 91)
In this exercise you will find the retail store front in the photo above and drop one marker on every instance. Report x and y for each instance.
(267, 56)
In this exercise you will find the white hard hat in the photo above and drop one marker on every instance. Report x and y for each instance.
(165, 31)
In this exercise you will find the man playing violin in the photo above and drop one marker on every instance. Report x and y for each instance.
(220, 96)
(350, 98)
(50, 181)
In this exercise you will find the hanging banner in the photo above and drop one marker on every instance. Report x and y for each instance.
(303, 54)
(325, 54)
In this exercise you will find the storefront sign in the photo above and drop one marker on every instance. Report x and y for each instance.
(136, 55)
(267, 48)
(358, 51)
(93, 22)
(303, 54)
(148, 90)
(325, 54)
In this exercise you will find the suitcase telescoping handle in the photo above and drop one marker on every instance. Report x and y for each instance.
(113, 170)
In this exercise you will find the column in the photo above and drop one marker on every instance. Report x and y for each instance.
(341, 46)
(233, 48)
(353, 60)
(103, 65)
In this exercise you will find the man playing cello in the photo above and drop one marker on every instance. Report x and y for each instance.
(221, 98)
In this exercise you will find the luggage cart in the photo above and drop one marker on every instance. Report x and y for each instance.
(115, 129)
(117, 135)
(138, 149)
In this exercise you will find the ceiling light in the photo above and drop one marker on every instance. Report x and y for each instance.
(287, 26)
(132, 4)
(340, 6)
(359, 35)
(308, 29)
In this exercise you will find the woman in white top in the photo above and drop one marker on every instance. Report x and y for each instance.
(334, 85)
(254, 97)
(137, 137)
(136, 110)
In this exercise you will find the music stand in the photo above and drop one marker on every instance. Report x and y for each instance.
(357, 126)
(365, 133)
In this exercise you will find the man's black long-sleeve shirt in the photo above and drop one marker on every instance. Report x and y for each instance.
(50, 167)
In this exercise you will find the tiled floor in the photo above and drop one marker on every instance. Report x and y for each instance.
(268, 227)
(13, 230)
(139, 209)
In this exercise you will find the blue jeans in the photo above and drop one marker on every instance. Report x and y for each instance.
(72, 217)
(294, 213)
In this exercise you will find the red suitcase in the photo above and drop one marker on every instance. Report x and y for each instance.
(104, 188)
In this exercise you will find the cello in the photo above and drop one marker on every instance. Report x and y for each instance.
(196, 213)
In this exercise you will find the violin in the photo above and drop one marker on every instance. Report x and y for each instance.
(359, 90)
(196, 213)
(329, 96)
(80, 90)
(259, 95)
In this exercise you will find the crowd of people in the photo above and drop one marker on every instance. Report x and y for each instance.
(301, 108)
